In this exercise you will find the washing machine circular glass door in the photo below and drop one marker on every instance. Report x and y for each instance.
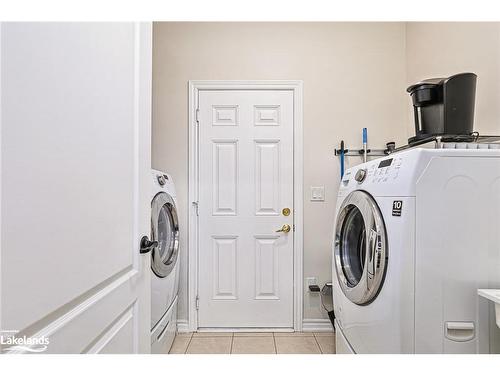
(165, 230)
(360, 248)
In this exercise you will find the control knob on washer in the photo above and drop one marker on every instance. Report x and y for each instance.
(161, 179)
(360, 175)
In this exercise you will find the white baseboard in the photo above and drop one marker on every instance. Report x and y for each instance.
(317, 325)
(182, 325)
(308, 325)
(246, 330)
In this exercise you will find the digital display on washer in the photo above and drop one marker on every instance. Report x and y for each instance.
(385, 163)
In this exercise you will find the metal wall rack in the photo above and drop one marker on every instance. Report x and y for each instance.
(439, 141)
(361, 152)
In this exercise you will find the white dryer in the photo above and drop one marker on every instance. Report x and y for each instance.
(416, 234)
(164, 262)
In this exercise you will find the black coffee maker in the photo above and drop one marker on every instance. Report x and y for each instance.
(443, 106)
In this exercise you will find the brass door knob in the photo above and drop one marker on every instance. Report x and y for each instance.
(285, 228)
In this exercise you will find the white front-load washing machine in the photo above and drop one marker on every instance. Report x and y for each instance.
(416, 234)
(164, 262)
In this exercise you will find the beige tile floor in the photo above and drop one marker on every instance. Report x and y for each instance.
(254, 343)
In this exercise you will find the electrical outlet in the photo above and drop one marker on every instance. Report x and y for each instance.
(311, 281)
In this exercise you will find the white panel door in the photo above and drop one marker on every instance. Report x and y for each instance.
(245, 181)
(75, 149)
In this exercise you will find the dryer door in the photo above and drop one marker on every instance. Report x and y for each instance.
(165, 230)
(360, 248)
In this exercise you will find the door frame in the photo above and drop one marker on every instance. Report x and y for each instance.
(296, 86)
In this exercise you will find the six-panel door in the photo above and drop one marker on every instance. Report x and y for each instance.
(245, 182)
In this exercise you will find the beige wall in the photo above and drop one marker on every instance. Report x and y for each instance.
(442, 49)
(354, 76)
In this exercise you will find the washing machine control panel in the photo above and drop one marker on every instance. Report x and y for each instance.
(374, 172)
(384, 171)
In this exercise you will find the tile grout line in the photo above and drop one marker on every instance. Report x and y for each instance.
(317, 343)
(232, 340)
(275, 347)
(189, 343)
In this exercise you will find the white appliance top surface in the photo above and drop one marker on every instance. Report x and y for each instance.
(397, 174)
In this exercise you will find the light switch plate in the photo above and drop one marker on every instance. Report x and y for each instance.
(317, 193)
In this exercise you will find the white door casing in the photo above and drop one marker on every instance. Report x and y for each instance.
(75, 148)
(245, 147)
